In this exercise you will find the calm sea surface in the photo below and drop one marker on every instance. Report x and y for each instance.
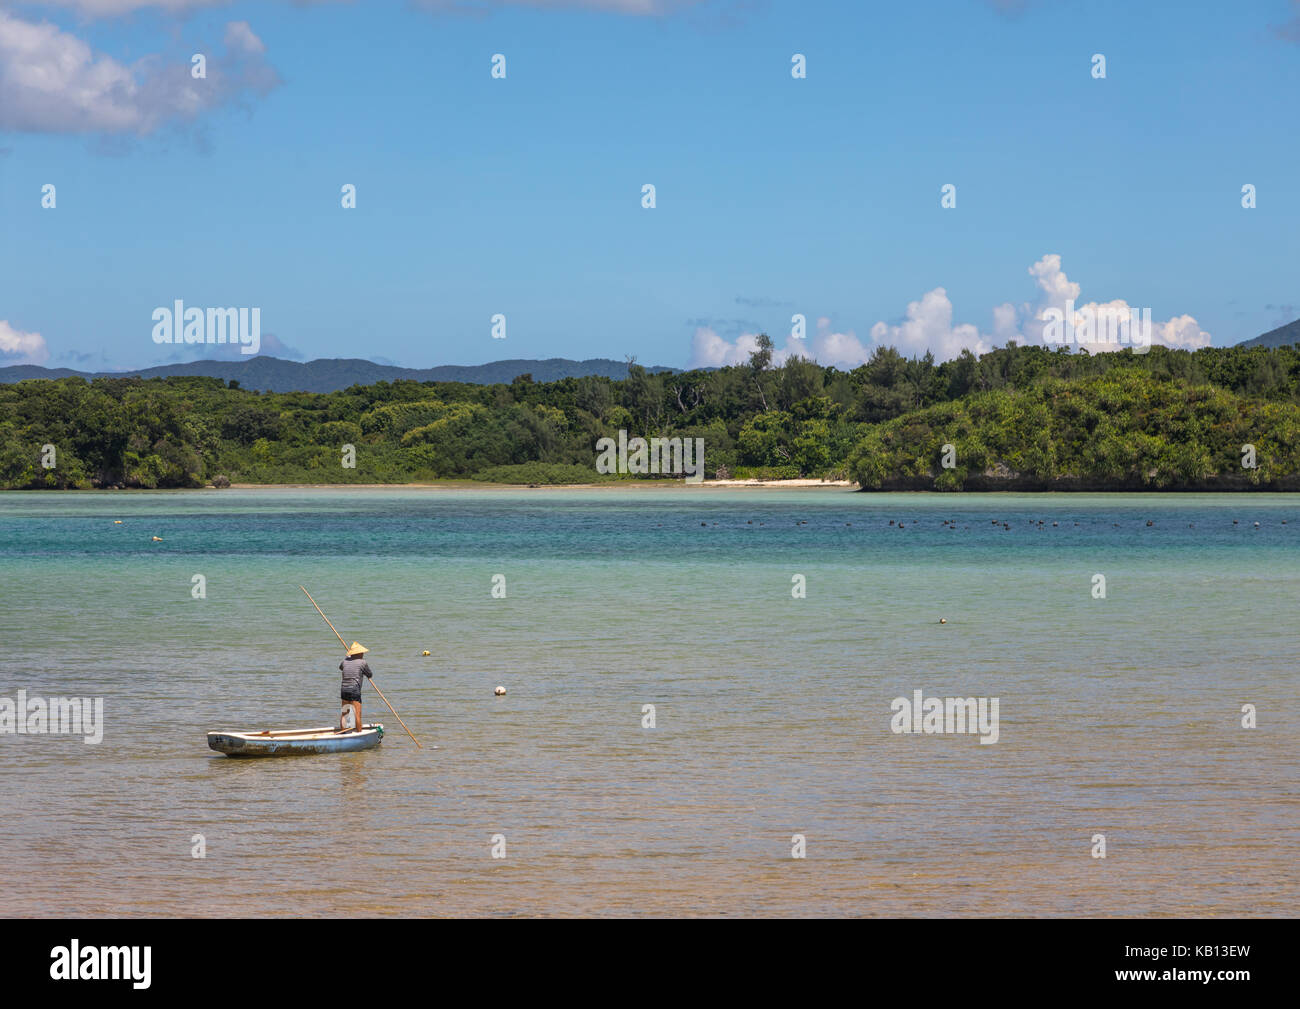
(1118, 716)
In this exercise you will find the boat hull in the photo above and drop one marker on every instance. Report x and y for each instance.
(295, 742)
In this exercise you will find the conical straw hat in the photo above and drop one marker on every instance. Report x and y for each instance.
(356, 648)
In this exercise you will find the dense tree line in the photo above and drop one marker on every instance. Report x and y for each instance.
(1120, 430)
(1165, 418)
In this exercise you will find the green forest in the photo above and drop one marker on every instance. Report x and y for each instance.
(1017, 417)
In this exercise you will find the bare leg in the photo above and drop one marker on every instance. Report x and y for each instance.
(356, 711)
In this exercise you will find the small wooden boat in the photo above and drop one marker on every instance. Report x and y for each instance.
(293, 742)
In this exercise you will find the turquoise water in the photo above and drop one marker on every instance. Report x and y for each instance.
(1118, 716)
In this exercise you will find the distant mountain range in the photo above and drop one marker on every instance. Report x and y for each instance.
(1283, 336)
(271, 374)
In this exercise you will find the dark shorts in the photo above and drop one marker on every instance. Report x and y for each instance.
(350, 695)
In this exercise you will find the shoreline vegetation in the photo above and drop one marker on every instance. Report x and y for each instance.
(605, 485)
(673, 486)
(1014, 419)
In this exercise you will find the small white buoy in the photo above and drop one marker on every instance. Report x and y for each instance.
(157, 539)
(943, 620)
(500, 691)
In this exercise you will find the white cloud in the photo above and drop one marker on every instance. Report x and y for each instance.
(1180, 331)
(53, 82)
(843, 350)
(1005, 323)
(709, 350)
(1058, 290)
(17, 347)
(928, 326)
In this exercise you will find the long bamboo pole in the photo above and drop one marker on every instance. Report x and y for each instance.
(372, 679)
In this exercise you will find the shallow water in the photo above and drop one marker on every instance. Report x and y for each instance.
(1117, 716)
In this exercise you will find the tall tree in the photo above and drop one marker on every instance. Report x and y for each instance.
(760, 359)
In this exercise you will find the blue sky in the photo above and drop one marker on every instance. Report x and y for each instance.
(775, 196)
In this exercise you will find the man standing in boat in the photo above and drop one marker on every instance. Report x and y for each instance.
(353, 668)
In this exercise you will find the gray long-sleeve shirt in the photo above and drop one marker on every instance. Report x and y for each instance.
(353, 670)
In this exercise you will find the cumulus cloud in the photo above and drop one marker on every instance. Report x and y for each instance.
(831, 347)
(53, 82)
(1059, 294)
(710, 350)
(927, 326)
(17, 347)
